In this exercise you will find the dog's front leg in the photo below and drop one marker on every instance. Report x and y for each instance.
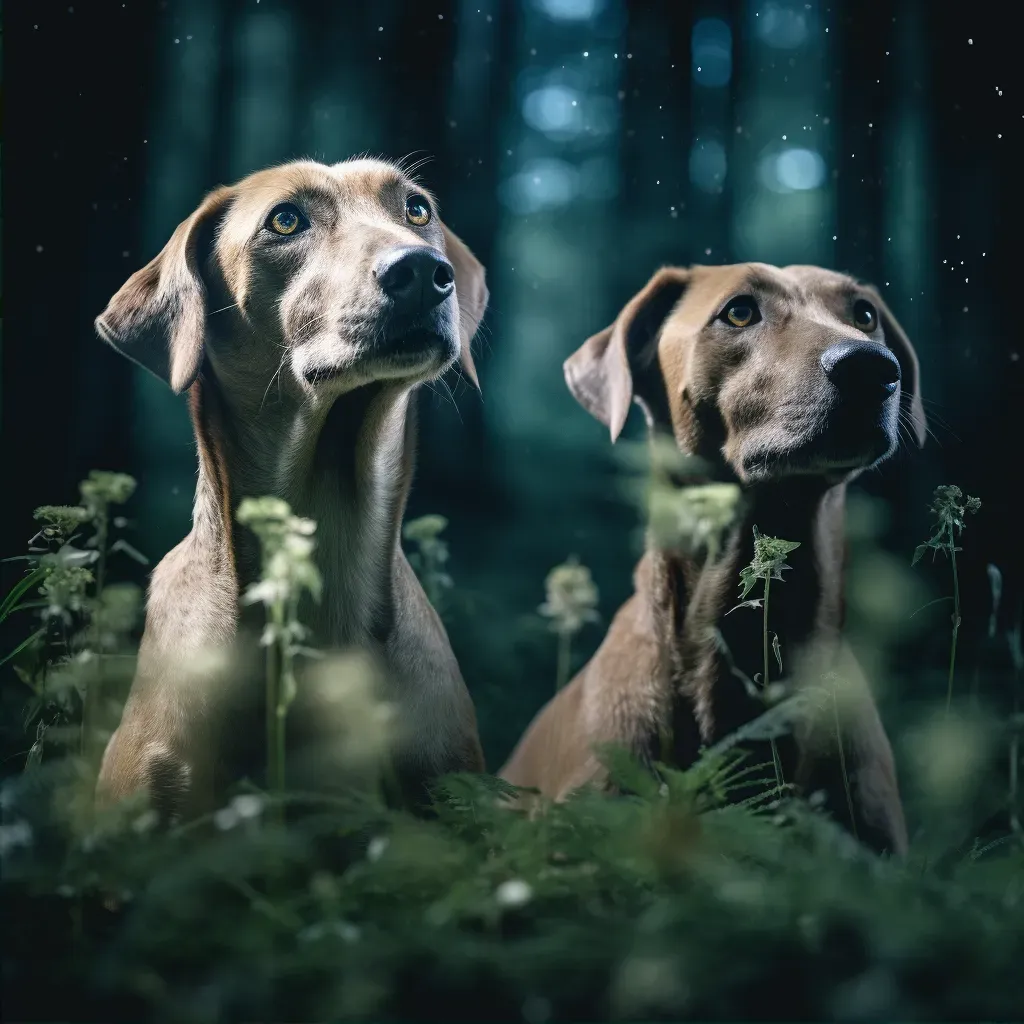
(846, 756)
(164, 750)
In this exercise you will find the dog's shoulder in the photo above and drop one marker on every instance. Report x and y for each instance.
(418, 632)
(623, 683)
(193, 599)
(433, 695)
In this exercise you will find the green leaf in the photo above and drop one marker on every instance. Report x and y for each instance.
(777, 650)
(134, 553)
(775, 722)
(24, 584)
(748, 577)
(24, 643)
(626, 772)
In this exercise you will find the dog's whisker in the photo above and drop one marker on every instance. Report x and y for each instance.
(223, 309)
(309, 323)
(451, 397)
(276, 375)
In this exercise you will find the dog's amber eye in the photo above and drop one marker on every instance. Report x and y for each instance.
(417, 210)
(865, 316)
(741, 312)
(285, 219)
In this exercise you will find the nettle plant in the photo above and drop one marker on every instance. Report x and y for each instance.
(85, 623)
(768, 563)
(949, 507)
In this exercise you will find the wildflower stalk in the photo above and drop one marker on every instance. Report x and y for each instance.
(571, 603)
(776, 760)
(430, 557)
(956, 628)
(1017, 656)
(275, 757)
(842, 761)
(949, 507)
(287, 574)
(768, 563)
(564, 659)
(89, 709)
(99, 492)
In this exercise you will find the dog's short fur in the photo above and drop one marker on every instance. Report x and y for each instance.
(766, 406)
(300, 353)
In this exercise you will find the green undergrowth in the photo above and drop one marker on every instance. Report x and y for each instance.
(661, 905)
(670, 902)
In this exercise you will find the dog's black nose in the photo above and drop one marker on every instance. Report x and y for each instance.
(861, 369)
(415, 279)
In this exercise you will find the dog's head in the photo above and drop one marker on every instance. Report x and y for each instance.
(336, 276)
(775, 371)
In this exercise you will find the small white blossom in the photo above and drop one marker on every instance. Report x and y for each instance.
(18, 833)
(513, 893)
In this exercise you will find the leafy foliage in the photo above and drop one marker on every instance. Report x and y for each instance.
(949, 508)
(768, 563)
(670, 901)
(667, 903)
(430, 557)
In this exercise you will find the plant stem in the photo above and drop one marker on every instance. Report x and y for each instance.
(956, 620)
(842, 764)
(273, 689)
(564, 656)
(764, 632)
(91, 699)
(764, 682)
(1015, 825)
(284, 693)
(1014, 788)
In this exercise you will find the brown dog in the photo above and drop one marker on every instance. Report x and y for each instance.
(300, 309)
(790, 382)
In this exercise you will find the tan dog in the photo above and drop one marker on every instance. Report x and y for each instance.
(790, 382)
(300, 309)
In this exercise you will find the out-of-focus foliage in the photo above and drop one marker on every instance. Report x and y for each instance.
(669, 903)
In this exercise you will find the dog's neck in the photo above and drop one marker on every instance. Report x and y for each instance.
(693, 596)
(345, 464)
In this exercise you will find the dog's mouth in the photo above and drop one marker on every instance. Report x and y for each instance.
(844, 443)
(413, 345)
(411, 352)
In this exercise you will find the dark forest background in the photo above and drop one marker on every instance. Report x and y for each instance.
(576, 145)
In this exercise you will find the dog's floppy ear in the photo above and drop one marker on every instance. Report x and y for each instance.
(600, 372)
(910, 368)
(157, 318)
(472, 294)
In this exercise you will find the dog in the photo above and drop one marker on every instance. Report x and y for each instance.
(788, 382)
(299, 309)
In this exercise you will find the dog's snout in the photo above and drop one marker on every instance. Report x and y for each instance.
(861, 369)
(415, 279)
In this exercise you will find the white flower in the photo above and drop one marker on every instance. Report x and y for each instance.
(244, 807)
(378, 844)
(18, 833)
(571, 597)
(247, 805)
(225, 818)
(513, 893)
(145, 821)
